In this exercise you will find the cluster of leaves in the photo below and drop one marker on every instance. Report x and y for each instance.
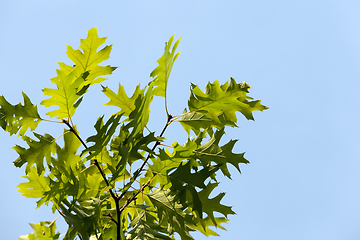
(92, 184)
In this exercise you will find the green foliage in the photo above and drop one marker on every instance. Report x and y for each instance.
(126, 182)
(18, 118)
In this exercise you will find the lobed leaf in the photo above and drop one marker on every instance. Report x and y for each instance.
(121, 100)
(211, 205)
(65, 96)
(168, 211)
(162, 72)
(145, 226)
(220, 103)
(37, 185)
(73, 82)
(212, 152)
(196, 121)
(88, 59)
(18, 118)
(43, 231)
(103, 135)
(36, 152)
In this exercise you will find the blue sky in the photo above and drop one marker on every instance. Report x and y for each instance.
(301, 58)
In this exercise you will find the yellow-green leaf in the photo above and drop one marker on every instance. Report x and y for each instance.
(18, 118)
(37, 185)
(162, 72)
(87, 58)
(226, 99)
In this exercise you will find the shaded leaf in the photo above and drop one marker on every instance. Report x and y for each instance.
(103, 135)
(172, 213)
(145, 226)
(211, 205)
(183, 174)
(212, 152)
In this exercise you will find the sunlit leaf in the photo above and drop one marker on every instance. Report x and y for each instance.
(64, 96)
(121, 100)
(196, 121)
(87, 58)
(226, 99)
(18, 118)
(36, 186)
(162, 72)
(36, 153)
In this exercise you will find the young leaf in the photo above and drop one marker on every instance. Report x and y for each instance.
(43, 231)
(162, 72)
(15, 118)
(65, 96)
(88, 59)
(73, 82)
(139, 117)
(121, 100)
(225, 99)
(36, 187)
(36, 152)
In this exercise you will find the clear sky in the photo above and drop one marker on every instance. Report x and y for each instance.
(301, 58)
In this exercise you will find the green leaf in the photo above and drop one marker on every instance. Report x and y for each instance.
(36, 187)
(172, 213)
(121, 100)
(73, 82)
(196, 121)
(43, 231)
(145, 226)
(211, 205)
(88, 58)
(212, 152)
(103, 135)
(68, 178)
(65, 96)
(207, 222)
(36, 152)
(79, 221)
(162, 72)
(183, 174)
(225, 99)
(15, 118)
(139, 117)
